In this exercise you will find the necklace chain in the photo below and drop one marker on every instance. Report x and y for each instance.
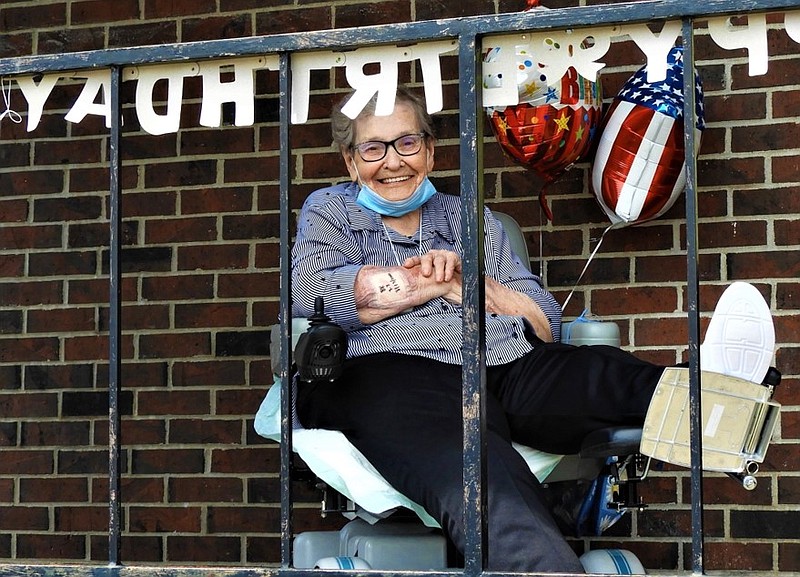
(391, 244)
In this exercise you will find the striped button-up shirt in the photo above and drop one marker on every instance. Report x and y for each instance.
(336, 237)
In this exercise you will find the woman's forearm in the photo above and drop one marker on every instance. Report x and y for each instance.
(505, 301)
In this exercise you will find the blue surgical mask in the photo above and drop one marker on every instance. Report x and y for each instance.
(370, 199)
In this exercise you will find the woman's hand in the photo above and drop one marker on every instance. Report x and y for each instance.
(439, 269)
(442, 265)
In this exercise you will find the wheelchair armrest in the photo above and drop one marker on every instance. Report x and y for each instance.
(612, 441)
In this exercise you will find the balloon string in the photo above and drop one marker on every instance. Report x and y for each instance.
(12, 115)
(543, 202)
(585, 267)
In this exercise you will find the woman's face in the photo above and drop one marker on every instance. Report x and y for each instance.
(394, 177)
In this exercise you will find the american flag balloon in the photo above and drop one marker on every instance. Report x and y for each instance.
(639, 167)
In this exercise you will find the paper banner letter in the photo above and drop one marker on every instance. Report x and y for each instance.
(791, 20)
(302, 65)
(97, 82)
(147, 77)
(36, 95)
(429, 56)
(557, 51)
(500, 69)
(753, 37)
(239, 90)
(656, 48)
(384, 82)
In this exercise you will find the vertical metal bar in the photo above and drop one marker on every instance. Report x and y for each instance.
(474, 365)
(284, 105)
(692, 294)
(114, 320)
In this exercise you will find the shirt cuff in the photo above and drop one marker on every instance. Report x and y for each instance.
(340, 293)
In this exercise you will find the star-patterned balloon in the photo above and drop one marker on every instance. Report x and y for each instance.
(553, 125)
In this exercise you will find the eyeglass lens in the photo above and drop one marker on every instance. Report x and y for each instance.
(405, 145)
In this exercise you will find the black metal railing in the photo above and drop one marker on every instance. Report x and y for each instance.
(467, 33)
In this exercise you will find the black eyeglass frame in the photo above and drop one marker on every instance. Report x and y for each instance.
(387, 143)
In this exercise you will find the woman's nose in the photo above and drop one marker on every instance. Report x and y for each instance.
(392, 158)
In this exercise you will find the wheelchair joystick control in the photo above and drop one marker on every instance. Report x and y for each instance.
(321, 350)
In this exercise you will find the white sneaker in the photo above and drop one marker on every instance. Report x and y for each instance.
(740, 339)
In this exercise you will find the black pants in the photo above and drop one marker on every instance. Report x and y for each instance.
(404, 414)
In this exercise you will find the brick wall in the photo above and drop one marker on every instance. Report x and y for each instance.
(201, 288)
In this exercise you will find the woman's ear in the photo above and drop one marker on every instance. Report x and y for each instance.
(429, 146)
(350, 163)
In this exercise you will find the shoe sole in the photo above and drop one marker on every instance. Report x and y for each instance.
(740, 340)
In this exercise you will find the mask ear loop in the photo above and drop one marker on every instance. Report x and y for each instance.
(14, 116)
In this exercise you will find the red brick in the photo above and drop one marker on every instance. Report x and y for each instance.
(32, 405)
(246, 460)
(132, 489)
(58, 546)
(93, 348)
(53, 490)
(38, 16)
(80, 519)
(209, 374)
(211, 315)
(62, 320)
(180, 519)
(56, 434)
(148, 33)
(31, 349)
(174, 345)
(216, 200)
(247, 519)
(203, 549)
(24, 519)
(213, 257)
(197, 172)
(736, 556)
(279, 21)
(31, 293)
(174, 403)
(26, 462)
(103, 11)
(161, 461)
(212, 28)
(205, 490)
(168, 288)
(180, 230)
(206, 432)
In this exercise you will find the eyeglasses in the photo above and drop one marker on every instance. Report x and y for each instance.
(375, 150)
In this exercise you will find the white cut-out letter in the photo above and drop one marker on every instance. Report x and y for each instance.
(429, 56)
(753, 37)
(239, 90)
(147, 77)
(655, 48)
(384, 82)
(97, 82)
(499, 69)
(36, 95)
(791, 21)
(302, 65)
(557, 51)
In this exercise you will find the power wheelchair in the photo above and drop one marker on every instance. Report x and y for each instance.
(588, 491)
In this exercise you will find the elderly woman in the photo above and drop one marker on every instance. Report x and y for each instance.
(383, 250)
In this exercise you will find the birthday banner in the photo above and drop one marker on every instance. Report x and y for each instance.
(232, 80)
